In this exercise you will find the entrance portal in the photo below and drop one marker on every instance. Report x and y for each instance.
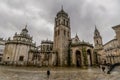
(78, 58)
(89, 57)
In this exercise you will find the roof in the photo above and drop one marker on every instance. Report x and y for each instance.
(110, 41)
(47, 41)
(25, 29)
(115, 27)
(62, 12)
(81, 44)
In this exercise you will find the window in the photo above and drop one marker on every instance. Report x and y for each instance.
(47, 47)
(58, 32)
(64, 32)
(21, 58)
(67, 23)
(96, 34)
(55, 33)
(68, 34)
(59, 22)
(7, 57)
(97, 41)
(64, 21)
(0, 59)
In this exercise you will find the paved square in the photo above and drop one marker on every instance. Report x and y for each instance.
(31, 73)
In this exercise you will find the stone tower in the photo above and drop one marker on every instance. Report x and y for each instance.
(62, 35)
(117, 31)
(97, 39)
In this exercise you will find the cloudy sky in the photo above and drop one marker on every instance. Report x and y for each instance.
(39, 16)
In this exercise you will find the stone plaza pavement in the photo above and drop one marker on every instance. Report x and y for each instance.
(24, 73)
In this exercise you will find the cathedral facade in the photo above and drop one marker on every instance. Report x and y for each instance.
(69, 51)
(63, 51)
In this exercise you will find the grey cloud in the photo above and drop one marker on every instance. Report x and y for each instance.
(40, 14)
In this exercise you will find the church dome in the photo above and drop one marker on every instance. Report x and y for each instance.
(25, 29)
(62, 13)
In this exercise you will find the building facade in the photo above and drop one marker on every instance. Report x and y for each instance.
(2, 46)
(48, 56)
(17, 49)
(63, 51)
(62, 35)
(82, 53)
(110, 51)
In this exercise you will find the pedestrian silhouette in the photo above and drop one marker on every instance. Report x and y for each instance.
(48, 73)
(103, 68)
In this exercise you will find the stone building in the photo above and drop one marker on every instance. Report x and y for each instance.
(68, 51)
(63, 51)
(47, 54)
(17, 49)
(110, 51)
(98, 46)
(62, 35)
(82, 53)
(2, 46)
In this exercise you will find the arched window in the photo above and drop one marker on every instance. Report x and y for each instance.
(64, 33)
(96, 34)
(59, 22)
(97, 41)
(67, 23)
(68, 34)
(64, 21)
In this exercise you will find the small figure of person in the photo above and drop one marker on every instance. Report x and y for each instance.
(48, 73)
(103, 68)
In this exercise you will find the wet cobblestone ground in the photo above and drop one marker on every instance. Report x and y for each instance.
(24, 73)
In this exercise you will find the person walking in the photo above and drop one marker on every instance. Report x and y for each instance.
(48, 73)
(103, 69)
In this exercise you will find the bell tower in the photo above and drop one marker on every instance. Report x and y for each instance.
(97, 39)
(62, 35)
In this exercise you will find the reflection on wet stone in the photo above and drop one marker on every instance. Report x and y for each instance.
(19, 73)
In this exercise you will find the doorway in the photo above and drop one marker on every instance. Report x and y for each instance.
(78, 58)
(89, 57)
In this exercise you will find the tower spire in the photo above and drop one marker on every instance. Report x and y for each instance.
(25, 26)
(62, 8)
(97, 39)
(76, 34)
(95, 27)
(96, 30)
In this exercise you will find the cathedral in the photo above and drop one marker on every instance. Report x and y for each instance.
(62, 51)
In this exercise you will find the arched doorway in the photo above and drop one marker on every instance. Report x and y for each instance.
(78, 58)
(89, 57)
